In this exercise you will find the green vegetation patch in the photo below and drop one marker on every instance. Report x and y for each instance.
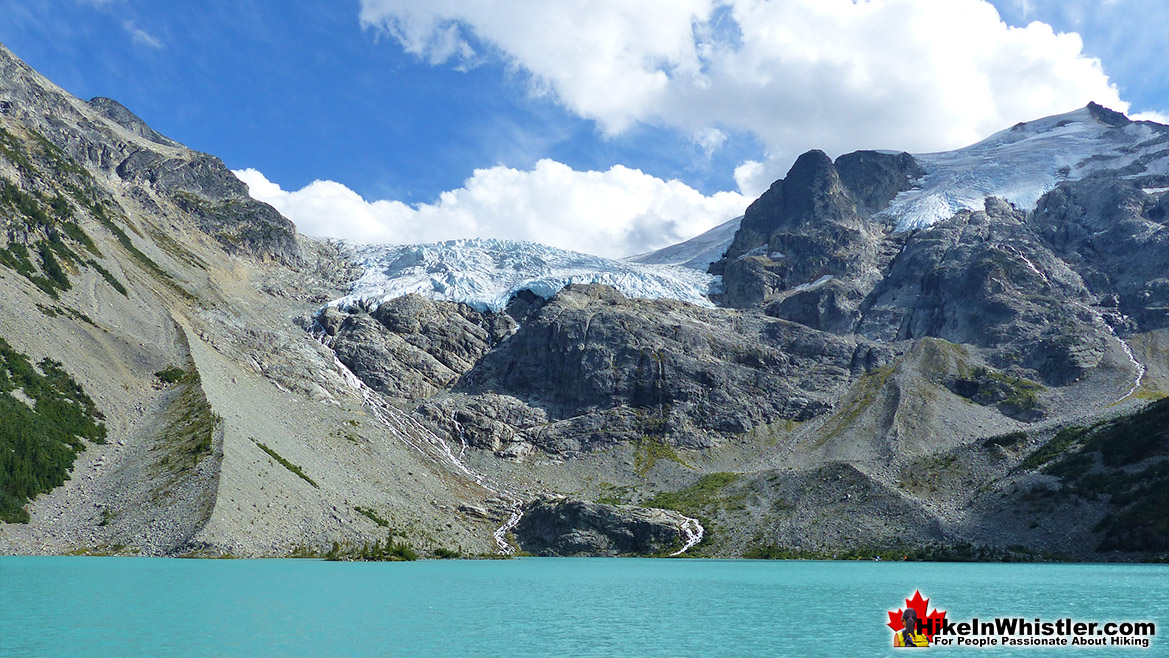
(174, 249)
(110, 278)
(16, 256)
(1126, 462)
(23, 205)
(1060, 443)
(928, 552)
(52, 268)
(97, 209)
(1008, 440)
(59, 311)
(305, 552)
(1144, 393)
(861, 396)
(648, 450)
(296, 470)
(613, 494)
(931, 473)
(190, 424)
(708, 491)
(62, 166)
(45, 220)
(171, 374)
(14, 152)
(99, 213)
(384, 551)
(777, 552)
(372, 516)
(76, 233)
(987, 387)
(51, 218)
(39, 442)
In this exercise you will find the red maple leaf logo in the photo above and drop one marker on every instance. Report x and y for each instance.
(930, 623)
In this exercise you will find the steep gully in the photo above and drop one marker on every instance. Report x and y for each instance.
(1099, 319)
(1137, 365)
(405, 428)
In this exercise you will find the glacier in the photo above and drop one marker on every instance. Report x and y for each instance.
(1026, 161)
(485, 273)
(1019, 164)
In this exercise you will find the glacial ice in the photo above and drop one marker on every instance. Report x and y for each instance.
(1024, 162)
(486, 273)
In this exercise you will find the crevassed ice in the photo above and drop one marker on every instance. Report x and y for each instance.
(486, 273)
(1023, 163)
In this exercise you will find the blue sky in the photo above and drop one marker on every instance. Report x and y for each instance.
(645, 114)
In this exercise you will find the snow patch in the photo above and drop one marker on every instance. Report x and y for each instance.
(815, 284)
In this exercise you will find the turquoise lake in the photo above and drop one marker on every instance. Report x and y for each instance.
(63, 606)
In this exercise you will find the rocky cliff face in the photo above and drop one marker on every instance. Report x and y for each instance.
(1043, 290)
(869, 383)
(589, 368)
(854, 341)
(560, 528)
(814, 223)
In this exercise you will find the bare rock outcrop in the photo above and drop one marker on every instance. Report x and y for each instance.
(562, 527)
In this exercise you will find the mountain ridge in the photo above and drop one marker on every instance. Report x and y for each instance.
(863, 390)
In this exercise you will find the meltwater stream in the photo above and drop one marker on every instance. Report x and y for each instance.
(404, 428)
(1140, 368)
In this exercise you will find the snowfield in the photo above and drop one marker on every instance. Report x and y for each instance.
(698, 252)
(1024, 162)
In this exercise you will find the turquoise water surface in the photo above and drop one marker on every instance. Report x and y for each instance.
(74, 606)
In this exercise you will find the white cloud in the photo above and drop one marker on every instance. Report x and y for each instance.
(754, 177)
(612, 213)
(1158, 117)
(709, 140)
(140, 36)
(918, 75)
(600, 57)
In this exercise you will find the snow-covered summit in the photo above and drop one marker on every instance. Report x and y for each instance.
(1024, 162)
(485, 273)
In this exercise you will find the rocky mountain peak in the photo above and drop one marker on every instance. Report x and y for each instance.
(824, 198)
(104, 141)
(811, 176)
(1107, 116)
(874, 178)
(812, 190)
